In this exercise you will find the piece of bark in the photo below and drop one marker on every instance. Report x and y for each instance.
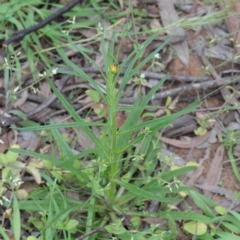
(215, 169)
(198, 172)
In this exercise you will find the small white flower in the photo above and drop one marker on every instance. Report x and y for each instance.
(17, 182)
(100, 28)
(157, 56)
(42, 74)
(6, 65)
(65, 32)
(142, 75)
(72, 21)
(16, 89)
(54, 71)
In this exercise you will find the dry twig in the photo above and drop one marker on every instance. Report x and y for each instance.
(21, 34)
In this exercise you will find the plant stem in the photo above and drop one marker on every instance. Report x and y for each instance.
(233, 163)
(114, 153)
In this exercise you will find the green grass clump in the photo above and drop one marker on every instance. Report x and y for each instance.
(113, 184)
(103, 190)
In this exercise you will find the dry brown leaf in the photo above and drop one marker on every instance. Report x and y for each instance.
(215, 51)
(99, 107)
(21, 100)
(3, 146)
(73, 195)
(186, 144)
(85, 141)
(28, 106)
(155, 24)
(35, 173)
(45, 89)
(103, 107)
(153, 220)
(1, 82)
(120, 119)
(198, 172)
(29, 186)
(24, 144)
(28, 140)
(219, 190)
(215, 169)
(120, 27)
(4, 143)
(169, 17)
(88, 33)
(22, 194)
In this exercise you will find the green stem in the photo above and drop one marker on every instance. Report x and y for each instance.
(233, 163)
(114, 154)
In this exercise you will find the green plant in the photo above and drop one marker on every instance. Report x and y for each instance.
(227, 226)
(115, 179)
(229, 139)
(103, 176)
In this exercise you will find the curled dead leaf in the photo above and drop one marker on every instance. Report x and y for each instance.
(22, 194)
(186, 144)
(35, 173)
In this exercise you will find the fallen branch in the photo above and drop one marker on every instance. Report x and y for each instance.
(194, 86)
(21, 34)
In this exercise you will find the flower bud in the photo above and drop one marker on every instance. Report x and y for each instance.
(113, 69)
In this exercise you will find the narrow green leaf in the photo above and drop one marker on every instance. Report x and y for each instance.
(19, 114)
(145, 194)
(91, 215)
(94, 95)
(3, 234)
(232, 227)
(52, 160)
(201, 204)
(176, 216)
(61, 125)
(167, 176)
(16, 219)
(235, 214)
(163, 121)
(226, 236)
(72, 223)
(64, 148)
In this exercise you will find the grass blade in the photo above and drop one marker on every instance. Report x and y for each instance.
(16, 219)
(145, 194)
